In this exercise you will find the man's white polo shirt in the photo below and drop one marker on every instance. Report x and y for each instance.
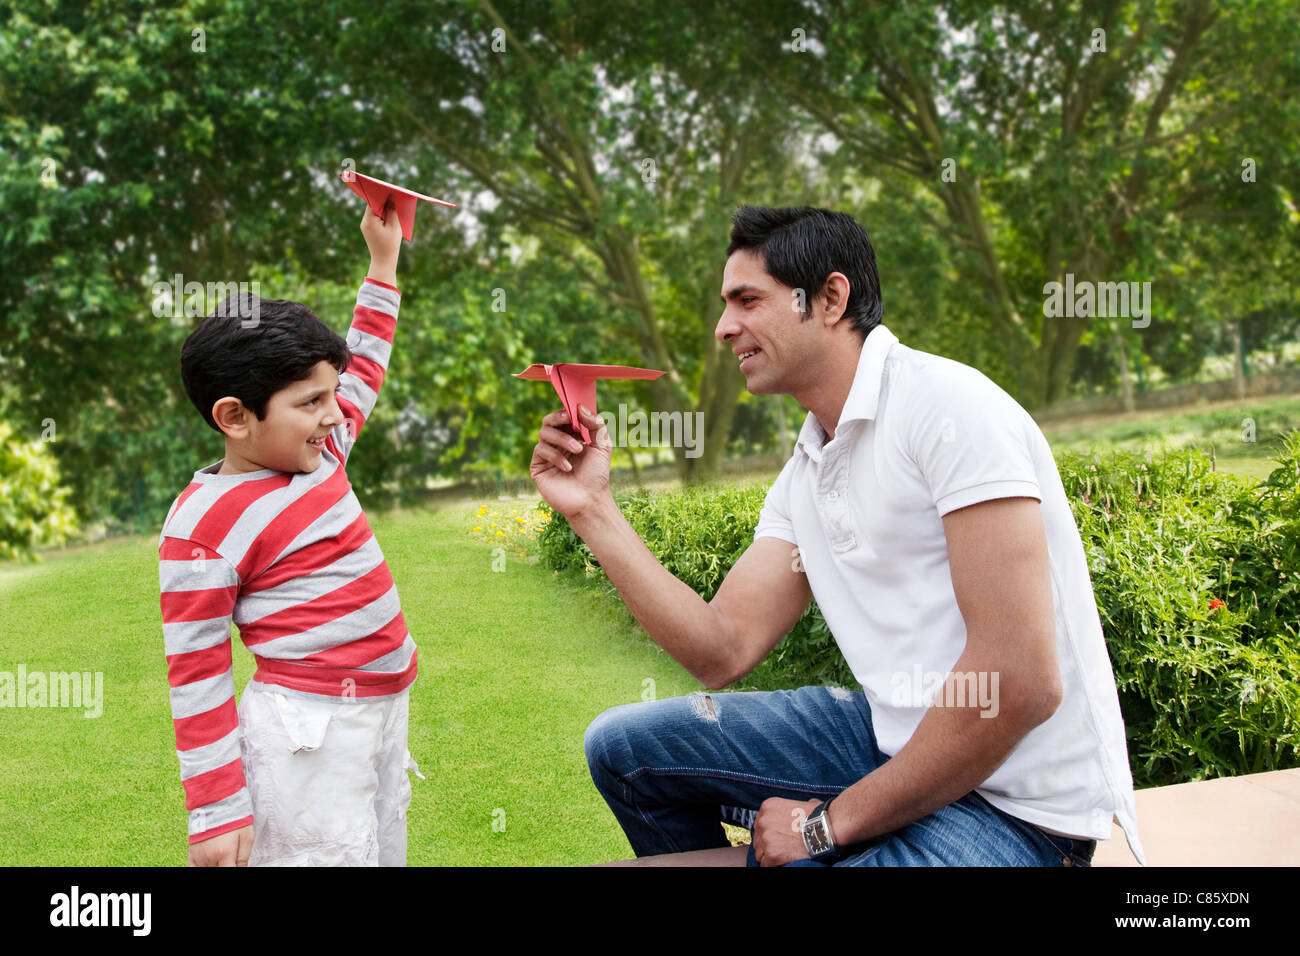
(920, 436)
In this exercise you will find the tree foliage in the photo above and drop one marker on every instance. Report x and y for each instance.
(597, 157)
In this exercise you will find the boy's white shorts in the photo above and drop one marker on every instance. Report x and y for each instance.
(327, 778)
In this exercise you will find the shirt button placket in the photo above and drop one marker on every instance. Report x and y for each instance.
(837, 512)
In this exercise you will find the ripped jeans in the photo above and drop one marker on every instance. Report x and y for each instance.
(671, 770)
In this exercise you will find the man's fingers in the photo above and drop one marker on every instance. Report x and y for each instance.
(552, 455)
(558, 419)
(596, 426)
(561, 440)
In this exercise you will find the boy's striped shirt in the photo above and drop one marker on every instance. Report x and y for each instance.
(291, 560)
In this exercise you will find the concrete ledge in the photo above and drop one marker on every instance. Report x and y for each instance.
(1230, 821)
(723, 856)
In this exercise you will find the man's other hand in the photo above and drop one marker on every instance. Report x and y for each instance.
(778, 831)
(228, 849)
(571, 476)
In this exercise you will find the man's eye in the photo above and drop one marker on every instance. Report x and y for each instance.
(747, 299)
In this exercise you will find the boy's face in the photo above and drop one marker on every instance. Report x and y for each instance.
(298, 419)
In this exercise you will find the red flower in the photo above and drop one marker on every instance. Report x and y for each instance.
(1215, 604)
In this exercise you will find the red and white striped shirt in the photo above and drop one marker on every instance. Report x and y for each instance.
(291, 560)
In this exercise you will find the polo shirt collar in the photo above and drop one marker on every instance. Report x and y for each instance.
(864, 394)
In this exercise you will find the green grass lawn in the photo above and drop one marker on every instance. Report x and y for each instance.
(513, 666)
(1225, 429)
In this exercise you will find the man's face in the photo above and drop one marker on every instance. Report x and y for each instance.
(298, 418)
(764, 329)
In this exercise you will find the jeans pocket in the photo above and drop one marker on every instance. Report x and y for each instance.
(1071, 852)
(1064, 851)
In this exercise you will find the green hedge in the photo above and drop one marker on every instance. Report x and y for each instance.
(1206, 689)
(33, 504)
(698, 534)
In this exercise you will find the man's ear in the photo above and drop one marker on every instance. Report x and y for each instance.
(835, 297)
(231, 417)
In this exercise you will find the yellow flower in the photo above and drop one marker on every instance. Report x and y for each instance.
(477, 528)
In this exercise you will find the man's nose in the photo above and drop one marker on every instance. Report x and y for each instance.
(726, 328)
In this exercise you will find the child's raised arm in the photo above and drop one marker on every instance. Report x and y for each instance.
(374, 322)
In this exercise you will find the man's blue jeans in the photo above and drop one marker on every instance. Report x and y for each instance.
(671, 770)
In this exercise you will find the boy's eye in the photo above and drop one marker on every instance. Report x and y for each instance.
(312, 401)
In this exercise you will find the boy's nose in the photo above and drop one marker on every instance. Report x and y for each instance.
(335, 415)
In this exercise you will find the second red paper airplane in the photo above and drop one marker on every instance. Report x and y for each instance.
(576, 385)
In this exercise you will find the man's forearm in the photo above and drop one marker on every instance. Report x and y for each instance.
(951, 753)
(675, 617)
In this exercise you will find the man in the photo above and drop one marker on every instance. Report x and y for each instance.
(923, 509)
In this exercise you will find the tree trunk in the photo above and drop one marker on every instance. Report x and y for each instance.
(636, 469)
(1125, 375)
(1238, 360)
(783, 432)
(717, 414)
(1060, 345)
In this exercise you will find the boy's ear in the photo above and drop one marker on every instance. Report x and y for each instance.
(231, 417)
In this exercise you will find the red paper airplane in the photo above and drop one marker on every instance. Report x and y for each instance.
(576, 385)
(376, 193)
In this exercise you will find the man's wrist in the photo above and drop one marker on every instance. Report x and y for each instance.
(853, 829)
(818, 838)
(602, 512)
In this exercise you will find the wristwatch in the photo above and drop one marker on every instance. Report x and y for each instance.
(817, 837)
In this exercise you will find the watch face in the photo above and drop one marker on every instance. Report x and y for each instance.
(816, 837)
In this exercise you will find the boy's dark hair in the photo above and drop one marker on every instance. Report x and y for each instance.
(802, 245)
(280, 346)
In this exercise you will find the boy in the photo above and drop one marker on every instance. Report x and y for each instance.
(311, 769)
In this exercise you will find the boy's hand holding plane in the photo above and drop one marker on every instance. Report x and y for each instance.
(384, 240)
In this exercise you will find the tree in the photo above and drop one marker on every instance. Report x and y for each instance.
(617, 155)
(1064, 127)
(137, 144)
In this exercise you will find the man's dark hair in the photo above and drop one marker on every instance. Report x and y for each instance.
(802, 245)
(285, 342)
